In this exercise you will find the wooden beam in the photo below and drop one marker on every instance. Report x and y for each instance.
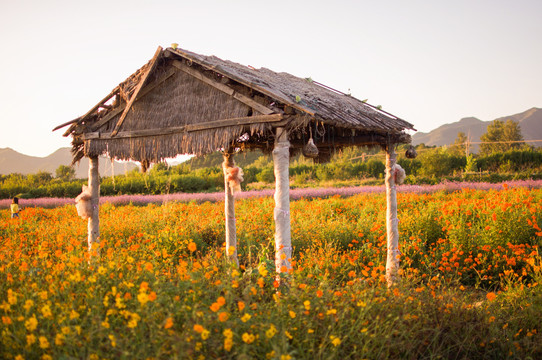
(142, 93)
(137, 89)
(105, 99)
(248, 120)
(66, 123)
(224, 88)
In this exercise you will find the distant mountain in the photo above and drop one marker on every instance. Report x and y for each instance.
(12, 161)
(530, 122)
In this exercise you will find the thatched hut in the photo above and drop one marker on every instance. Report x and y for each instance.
(185, 103)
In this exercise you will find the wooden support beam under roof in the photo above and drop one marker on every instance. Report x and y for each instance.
(152, 64)
(248, 120)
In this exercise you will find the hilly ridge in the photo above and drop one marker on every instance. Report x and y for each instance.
(12, 161)
(530, 122)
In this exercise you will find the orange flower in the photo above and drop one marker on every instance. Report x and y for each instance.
(192, 246)
(223, 316)
(491, 296)
(169, 323)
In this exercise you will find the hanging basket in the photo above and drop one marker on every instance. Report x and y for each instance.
(310, 150)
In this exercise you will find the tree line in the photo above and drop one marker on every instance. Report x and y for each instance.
(502, 155)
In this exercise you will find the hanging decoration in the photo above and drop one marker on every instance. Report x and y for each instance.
(234, 176)
(83, 203)
(399, 174)
(310, 150)
(411, 153)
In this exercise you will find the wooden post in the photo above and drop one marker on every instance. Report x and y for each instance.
(229, 207)
(94, 220)
(283, 240)
(392, 262)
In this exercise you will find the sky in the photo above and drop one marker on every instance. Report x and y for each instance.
(429, 62)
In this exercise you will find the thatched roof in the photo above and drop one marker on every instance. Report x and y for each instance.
(184, 103)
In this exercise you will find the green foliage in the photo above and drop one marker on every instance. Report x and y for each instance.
(350, 167)
(498, 133)
(65, 173)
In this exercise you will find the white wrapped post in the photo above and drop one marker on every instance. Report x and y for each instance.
(94, 219)
(283, 240)
(229, 208)
(392, 263)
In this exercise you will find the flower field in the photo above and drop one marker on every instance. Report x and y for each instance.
(161, 289)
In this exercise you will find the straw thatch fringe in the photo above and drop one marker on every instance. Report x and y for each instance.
(157, 148)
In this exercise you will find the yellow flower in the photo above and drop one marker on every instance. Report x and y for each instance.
(102, 270)
(310, 331)
(246, 317)
(74, 315)
(143, 298)
(228, 343)
(46, 357)
(31, 324)
(331, 311)
(113, 340)
(335, 340)
(288, 335)
(105, 324)
(271, 331)
(292, 314)
(227, 333)
(19, 357)
(59, 339)
(44, 344)
(46, 311)
(307, 304)
(30, 339)
(270, 355)
(285, 357)
(248, 338)
(134, 318)
(262, 270)
(28, 304)
(12, 297)
(231, 251)
(118, 303)
(65, 330)
(205, 334)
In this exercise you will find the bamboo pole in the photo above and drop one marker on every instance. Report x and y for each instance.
(283, 240)
(392, 262)
(229, 207)
(94, 220)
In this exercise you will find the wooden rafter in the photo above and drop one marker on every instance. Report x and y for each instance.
(248, 120)
(153, 62)
(142, 93)
(224, 88)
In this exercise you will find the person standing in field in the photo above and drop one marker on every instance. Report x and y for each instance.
(15, 208)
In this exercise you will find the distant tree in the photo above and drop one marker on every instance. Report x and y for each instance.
(458, 146)
(65, 173)
(40, 178)
(499, 137)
